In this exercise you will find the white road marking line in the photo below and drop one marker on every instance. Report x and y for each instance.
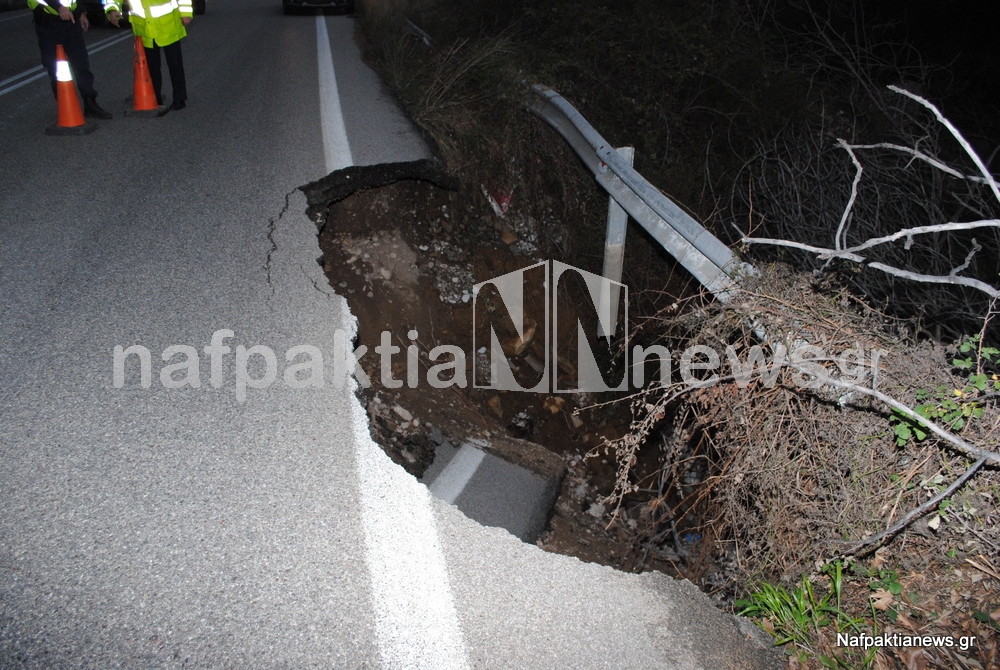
(415, 619)
(37, 68)
(39, 72)
(336, 148)
(451, 481)
(101, 45)
(19, 16)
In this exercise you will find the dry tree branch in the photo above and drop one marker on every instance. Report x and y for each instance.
(821, 252)
(919, 511)
(919, 155)
(908, 233)
(933, 256)
(840, 249)
(956, 134)
(953, 440)
(914, 514)
(903, 489)
(938, 279)
(825, 253)
(840, 239)
(851, 253)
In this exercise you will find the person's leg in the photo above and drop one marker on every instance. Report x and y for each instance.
(175, 61)
(153, 62)
(76, 54)
(47, 47)
(79, 60)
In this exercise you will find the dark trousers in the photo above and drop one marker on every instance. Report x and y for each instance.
(70, 35)
(175, 63)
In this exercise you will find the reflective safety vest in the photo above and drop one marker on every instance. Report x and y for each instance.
(156, 21)
(52, 6)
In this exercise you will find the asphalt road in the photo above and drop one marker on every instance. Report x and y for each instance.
(215, 526)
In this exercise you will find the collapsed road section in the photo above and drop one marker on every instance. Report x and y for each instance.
(405, 248)
(389, 243)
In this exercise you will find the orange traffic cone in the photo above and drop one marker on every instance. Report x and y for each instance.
(143, 97)
(70, 119)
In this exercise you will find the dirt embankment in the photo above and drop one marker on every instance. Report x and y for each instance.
(406, 252)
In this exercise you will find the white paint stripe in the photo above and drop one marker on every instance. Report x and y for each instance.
(37, 68)
(415, 620)
(109, 42)
(23, 83)
(336, 148)
(16, 16)
(19, 16)
(97, 46)
(451, 481)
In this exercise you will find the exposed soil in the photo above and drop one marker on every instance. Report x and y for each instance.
(406, 256)
(927, 580)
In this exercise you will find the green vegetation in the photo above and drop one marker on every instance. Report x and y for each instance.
(951, 407)
(805, 616)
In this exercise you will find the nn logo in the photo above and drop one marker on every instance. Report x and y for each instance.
(529, 333)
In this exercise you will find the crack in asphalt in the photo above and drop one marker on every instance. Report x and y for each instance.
(316, 285)
(272, 226)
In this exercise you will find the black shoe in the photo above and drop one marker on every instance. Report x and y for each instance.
(178, 105)
(94, 111)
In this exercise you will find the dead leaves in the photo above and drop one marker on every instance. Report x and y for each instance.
(882, 600)
(913, 658)
(981, 565)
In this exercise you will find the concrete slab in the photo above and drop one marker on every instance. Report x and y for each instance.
(494, 491)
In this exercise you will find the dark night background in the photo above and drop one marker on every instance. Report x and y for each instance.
(960, 35)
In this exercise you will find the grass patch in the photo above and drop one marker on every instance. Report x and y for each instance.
(806, 616)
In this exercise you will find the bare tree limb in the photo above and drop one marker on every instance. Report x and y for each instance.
(954, 441)
(840, 238)
(826, 253)
(919, 155)
(822, 252)
(921, 230)
(915, 513)
(976, 248)
(851, 253)
(957, 135)
(797, 187)
(938, 279)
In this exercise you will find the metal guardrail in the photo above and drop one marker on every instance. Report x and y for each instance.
(702, 254)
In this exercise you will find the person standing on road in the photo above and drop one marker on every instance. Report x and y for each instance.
(61, 22)
(161, 25)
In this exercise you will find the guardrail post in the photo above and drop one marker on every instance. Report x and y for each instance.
(614, 254)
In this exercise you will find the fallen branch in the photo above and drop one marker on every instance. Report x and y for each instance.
(914, 514)
(953, 440)
(825, 253)
(919, 155)
(840, 238)
(853, 253)
(954, 280)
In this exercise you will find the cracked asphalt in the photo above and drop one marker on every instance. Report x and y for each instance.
(179, 527)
